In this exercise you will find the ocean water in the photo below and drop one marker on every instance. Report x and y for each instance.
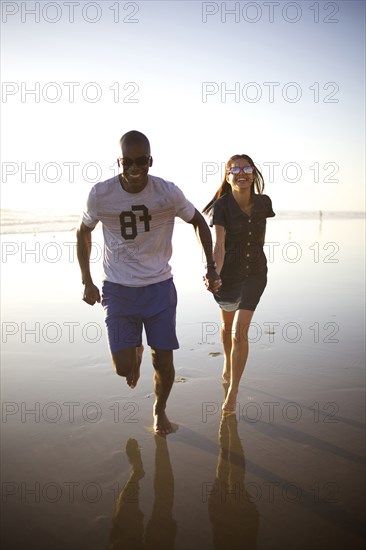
(50, 220)
(37, 220)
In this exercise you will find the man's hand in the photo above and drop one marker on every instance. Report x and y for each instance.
(212, 281)
(91, 294)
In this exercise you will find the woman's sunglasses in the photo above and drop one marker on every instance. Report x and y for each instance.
(237, 169)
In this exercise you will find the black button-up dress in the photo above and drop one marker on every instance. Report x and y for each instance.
(244, 272)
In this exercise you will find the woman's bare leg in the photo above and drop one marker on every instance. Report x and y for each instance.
(239, 355)
(227, 318)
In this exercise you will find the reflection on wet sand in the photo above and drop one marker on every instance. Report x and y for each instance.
(232, 512)
(127, 530)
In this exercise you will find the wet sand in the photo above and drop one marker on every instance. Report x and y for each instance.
(81, 469)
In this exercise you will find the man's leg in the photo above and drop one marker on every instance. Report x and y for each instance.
(124, 329)
(127, 363)
(163, 382)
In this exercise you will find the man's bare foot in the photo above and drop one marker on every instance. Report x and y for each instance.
(133, 377)
(162, 425)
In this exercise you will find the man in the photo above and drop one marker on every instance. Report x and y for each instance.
(137, 213)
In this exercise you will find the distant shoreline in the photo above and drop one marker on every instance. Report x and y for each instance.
(46, 221)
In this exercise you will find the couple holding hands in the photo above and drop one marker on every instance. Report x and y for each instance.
(137, 212)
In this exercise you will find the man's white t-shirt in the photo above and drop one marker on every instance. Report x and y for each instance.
(137, 228)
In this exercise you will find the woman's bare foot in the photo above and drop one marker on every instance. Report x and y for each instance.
(229, 405)
(226, 371)
(135, 374)
(225, 377)
(229, 409)
(162, 425)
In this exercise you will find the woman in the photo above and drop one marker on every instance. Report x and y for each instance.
(238, 212)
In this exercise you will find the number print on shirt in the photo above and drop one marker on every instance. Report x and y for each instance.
(129, 224)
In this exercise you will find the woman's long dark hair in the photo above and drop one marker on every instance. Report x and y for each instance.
(225, 187)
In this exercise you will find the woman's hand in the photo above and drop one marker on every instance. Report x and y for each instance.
(212, 281)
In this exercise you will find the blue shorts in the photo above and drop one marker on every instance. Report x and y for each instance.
(128, 309)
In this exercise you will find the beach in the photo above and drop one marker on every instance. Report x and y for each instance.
(81, 468)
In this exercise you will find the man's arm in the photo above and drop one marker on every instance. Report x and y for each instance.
(219, 248)
(203, 233)
(83, 248)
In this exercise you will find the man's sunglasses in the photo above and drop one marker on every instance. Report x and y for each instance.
(139, 161)
(237, 169)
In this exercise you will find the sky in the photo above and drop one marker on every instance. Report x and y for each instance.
(283, 82)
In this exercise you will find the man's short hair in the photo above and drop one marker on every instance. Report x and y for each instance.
(133, 137)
